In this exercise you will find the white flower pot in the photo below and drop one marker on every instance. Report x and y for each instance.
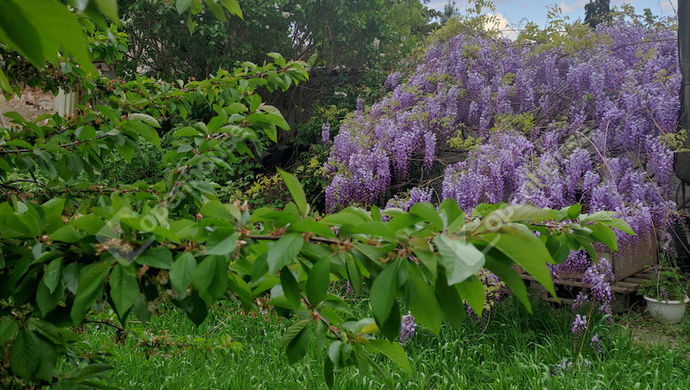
(667, 311)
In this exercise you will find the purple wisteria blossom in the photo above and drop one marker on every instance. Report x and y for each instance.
(566, 365)
(416, 195)
(595, 343)
(598, 278)
(393, 80)
(579, 325)
(598, 122)
(407, 327)
(326, 133)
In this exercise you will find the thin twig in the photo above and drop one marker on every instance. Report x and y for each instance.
(584, 335)
(75, 143)
(275, 238)
(9, 183)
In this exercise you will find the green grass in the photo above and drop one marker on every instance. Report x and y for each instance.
(513, 350)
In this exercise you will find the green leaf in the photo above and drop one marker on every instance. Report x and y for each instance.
(450, 302)
(311, 226)
(574, 211)
(429, 213)
(219, 284)
(59, 30)
(233, 7)
(186, 132)
(8, 328)
(353, 272)
(24, 354)
(498, 266)
(47, 358)
(318, 280)
(51, 277)
(334, 352)
(383, 293)
(472, 291)
(296, 191)
(70, 276)
(91, 284)
(343, 218)
(279, 59)
(499, 216)
(599, 216)
(141, 309)
(22, 35)
(182, 272)
(271, 133)
(94, 370)
(182, 5)
(146, 118)
(156, 257)
(295, 340)
(459, 258)
(66, 233)
(216, 209)
(290, 287)
(203, 274)
(221, 242)
(216, 10)
(526, 250)
(393, 351)
(5, 85)
(423, 303)
(376, 229)
(391, 328)
(88, 223)
(145, 130)
(85, 133)
(46, 300)
(195, 308)
(124, 289)
(621, 225)
(284, 251)
(109, 9)
(328, 372)
(451, 214)
(605, 235)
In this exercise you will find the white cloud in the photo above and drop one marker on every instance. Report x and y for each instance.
(668, 6)
(568, 7)
(498, 22)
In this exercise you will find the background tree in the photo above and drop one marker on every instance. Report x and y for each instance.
(597, 11)
(343, 42)
(449, 11)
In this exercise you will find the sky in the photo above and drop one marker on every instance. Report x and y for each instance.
(513, 12)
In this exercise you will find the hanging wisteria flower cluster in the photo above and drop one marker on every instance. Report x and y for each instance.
(549, 125)
(416, 195)
(598, 114)
(407, 327)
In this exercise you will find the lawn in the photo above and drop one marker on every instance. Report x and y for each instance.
(509, 350)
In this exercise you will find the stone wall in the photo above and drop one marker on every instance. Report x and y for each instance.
(31, 104)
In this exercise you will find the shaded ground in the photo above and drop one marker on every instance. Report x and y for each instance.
(648, 331)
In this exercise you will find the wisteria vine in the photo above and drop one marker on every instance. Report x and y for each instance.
(550, 126)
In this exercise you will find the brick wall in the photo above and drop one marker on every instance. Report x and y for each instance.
(31, 104)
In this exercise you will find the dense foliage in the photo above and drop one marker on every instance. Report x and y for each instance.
(346, 34)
